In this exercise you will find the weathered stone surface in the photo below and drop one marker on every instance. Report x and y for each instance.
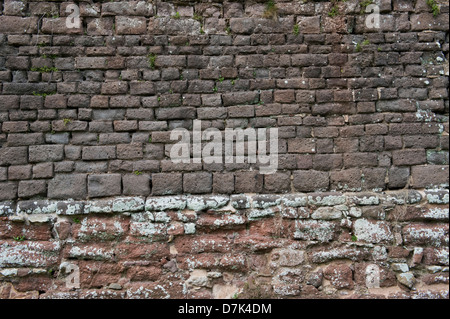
(104, 185)
(340, 276)
(321, 231)
(68, 186)
(372, 231)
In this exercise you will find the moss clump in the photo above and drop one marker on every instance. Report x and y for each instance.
(152, 60)
(44, 69)
(271, 11)
(434, 7)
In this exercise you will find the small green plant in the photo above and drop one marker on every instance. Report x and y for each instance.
(43, 94)
(197, 17)
(364, 4)
(150, 139)
(66, 121)
(176, 16)
(271, 11)
(50, 56)
(359, 46)
(296, 30)
(434, 7)
(44, 69)
(221, 79)
(202, 31)
(354, 238)
(152, 60)
(233, 82)
(76, 220)
(228, 30)
(19, 238)
(215, 89)
(137, 173)
(334, 11)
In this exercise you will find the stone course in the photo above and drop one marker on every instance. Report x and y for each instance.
(300, 245)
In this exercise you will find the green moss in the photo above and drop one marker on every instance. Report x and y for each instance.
(44, 69)
(334, 11)
(359, 46)
(152, 60)
(43, 94)
(296, 30)
(434, 7)
(271, 11)
(198, 18)
(364, 4)
(50, 56)
(19, 238)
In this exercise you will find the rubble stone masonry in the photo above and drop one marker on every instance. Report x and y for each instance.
(92, 206)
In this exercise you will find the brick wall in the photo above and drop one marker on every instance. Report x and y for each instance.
(85, 121)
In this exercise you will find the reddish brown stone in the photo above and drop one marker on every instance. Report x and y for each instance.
(340, 276)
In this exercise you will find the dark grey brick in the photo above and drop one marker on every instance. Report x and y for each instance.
(104, 185)
(66, 186)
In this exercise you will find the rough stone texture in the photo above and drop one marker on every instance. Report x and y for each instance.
(357, 109)
(130, 245)
(86, 115)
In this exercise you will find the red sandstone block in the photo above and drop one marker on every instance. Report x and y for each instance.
(340, 276)
(141, 251)
(387, 277)
(203, 244)
(97, 274)
(36, 232)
